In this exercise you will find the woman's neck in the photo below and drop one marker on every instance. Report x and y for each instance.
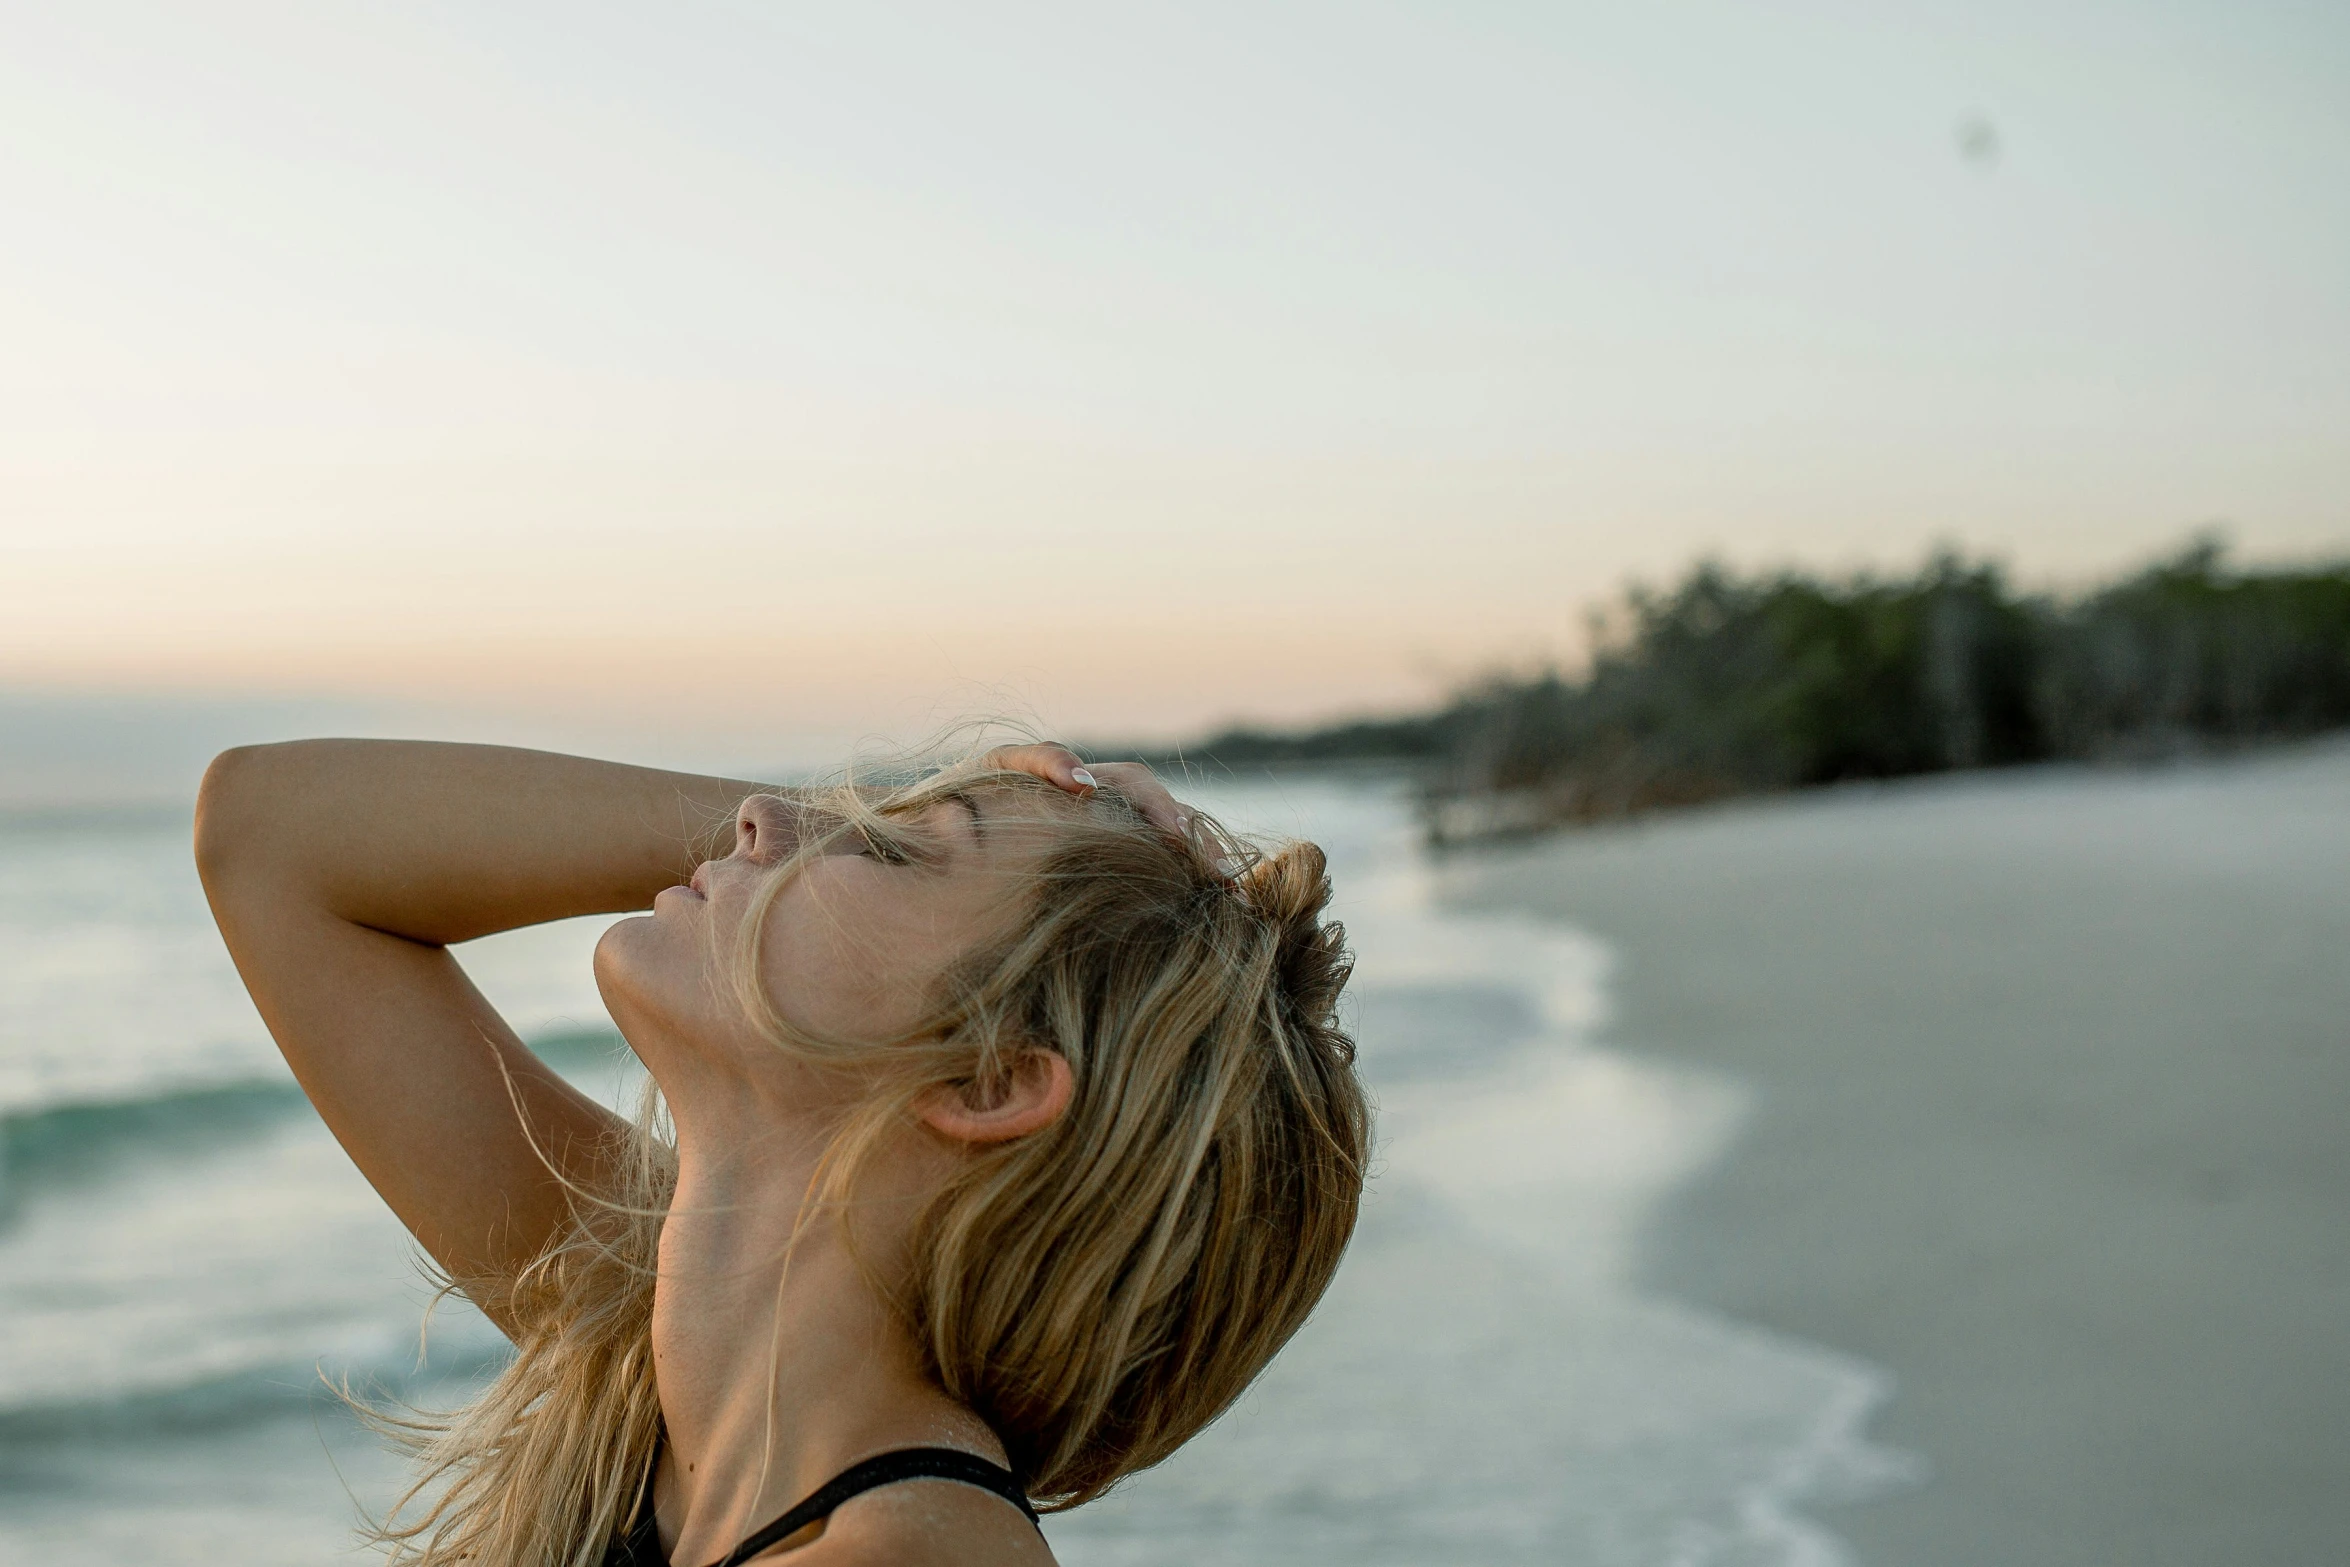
(779, 1363)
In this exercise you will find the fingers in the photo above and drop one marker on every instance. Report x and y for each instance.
(1143, 790)
(1055, 764)
(1058, 765)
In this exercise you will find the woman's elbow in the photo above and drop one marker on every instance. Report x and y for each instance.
(228, 810)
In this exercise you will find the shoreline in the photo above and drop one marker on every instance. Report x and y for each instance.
(2049, 1074)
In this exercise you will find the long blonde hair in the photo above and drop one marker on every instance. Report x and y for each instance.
(1097, 1292)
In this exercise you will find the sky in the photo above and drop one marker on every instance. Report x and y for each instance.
(744, 378)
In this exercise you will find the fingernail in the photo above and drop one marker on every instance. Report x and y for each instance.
(1080, 775)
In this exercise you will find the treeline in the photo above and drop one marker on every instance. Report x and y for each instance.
(1735, 684)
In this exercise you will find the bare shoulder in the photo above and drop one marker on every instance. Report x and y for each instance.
(925, 1523)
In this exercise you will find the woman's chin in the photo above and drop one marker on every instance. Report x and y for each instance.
(612, 947)
(627, 958)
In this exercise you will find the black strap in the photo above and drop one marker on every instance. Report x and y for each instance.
(907, 1463)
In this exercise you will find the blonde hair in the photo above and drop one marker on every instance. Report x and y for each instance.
(1097, 1292)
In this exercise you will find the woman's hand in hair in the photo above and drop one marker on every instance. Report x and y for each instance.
(1057, 764)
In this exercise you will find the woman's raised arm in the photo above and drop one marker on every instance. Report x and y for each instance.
(340, 870)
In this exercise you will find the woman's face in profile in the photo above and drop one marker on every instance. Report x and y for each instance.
(851, 947)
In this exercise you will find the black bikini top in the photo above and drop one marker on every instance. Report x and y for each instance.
(641, 1546)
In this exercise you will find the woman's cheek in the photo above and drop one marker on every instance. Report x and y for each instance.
(839, 990)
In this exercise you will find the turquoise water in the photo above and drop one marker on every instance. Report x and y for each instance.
(183, 1250)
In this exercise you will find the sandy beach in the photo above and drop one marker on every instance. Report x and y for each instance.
(2052, 1076)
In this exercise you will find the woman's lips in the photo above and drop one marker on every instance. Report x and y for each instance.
(691, 887)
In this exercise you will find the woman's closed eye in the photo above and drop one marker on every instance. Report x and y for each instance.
(875, 846)
(890, 848)
(928, 840)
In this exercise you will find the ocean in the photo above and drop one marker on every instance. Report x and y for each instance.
(185, 1255)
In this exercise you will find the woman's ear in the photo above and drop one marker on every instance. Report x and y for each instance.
(1032, 1096)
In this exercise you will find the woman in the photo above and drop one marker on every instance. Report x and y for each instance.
(1004, 1132)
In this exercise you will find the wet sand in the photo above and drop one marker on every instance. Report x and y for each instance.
(2052, 1077)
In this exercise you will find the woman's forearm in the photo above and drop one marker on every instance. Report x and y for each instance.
(442, 843)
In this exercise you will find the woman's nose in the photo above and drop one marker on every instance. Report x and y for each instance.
(762, 829)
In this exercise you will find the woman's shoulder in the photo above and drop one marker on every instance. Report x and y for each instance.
(925, 1522)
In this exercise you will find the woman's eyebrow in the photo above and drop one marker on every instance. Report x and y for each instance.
(978, 822)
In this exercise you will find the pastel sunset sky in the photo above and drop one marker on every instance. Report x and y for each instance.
(807, 371)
